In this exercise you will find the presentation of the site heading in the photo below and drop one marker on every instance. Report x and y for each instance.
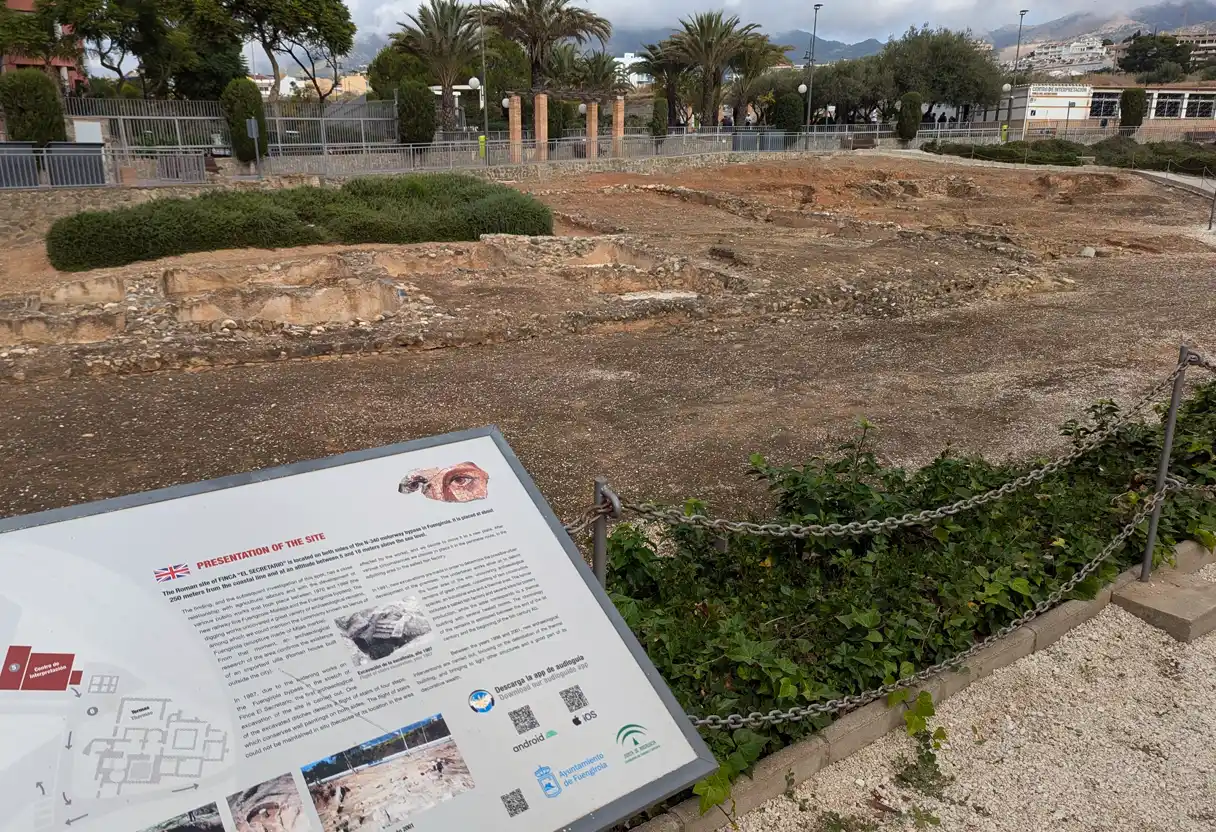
(398, 643)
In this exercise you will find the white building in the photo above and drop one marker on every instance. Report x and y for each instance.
(626, 62)
(1086, 51)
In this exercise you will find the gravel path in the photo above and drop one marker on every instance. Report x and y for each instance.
(1111, 728)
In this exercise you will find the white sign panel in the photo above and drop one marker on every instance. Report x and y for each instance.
(399, 639)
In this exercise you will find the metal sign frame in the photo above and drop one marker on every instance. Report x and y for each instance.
(606, 816)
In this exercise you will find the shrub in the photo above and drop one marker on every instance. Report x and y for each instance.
(908, 124)
(390, 209)
(1047, 152)
(764, 623)
(33, 110)
(241, 101)
(658, 117)
(788, 113)
(1133, 104)
(1166, 73)
(417, 120)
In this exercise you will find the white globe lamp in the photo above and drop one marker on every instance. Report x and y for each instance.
(802, 89)
(474, 83)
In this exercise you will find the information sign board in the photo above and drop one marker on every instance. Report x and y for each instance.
(390, 640)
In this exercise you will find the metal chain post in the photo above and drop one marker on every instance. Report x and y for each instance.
(1163, 465)
(599, 549)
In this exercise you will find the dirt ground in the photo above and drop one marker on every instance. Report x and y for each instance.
(378, 797)
(947, 303)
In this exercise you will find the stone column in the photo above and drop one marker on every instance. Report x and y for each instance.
(515, 130)
(593, 129)
(540, 109)
(618, 126)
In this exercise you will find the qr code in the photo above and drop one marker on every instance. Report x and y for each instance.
(574, 699)
(524, 720)
(515, 803)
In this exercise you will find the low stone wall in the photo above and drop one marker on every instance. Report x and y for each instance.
(26, 215)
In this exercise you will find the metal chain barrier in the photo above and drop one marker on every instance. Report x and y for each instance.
(676, 517)
(587, 519)
(757, 719)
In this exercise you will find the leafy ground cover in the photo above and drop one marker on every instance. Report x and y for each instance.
(775, 623)
(388, 209)
(1117, 151)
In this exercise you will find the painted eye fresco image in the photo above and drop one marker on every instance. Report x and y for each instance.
(460, 483)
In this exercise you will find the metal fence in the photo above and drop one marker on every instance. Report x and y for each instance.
(133, 123)
(92, 166)
(309, 123)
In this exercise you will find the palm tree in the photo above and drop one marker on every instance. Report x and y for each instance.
(599, 72)
(709, 41)
(445, 36)
(756, 56)
(563, 68)
(662, 62)
(539, 25)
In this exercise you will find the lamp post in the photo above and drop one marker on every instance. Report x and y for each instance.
(1008, 90)
(1068, 117)
(485, 104)
(810, 86)
(1017, 55)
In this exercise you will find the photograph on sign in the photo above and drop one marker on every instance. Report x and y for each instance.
(396, 639)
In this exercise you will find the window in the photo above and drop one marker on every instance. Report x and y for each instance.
(1169, 105)
(1104, 105)
(1034, 112)
(1200, 106)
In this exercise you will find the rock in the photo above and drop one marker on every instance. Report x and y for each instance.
(1088, 251)
(228, 324)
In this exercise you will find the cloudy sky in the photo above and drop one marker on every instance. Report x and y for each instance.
(845, 20)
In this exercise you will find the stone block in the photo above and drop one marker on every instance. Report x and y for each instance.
(855, 730)
(1017, 645)
(951, 682)
(1051, 625)
(1190, 557)
(690, 818)
(663, 823)
(1182, 605)
(803, 760)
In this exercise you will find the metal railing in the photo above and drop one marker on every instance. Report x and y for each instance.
(95, 167)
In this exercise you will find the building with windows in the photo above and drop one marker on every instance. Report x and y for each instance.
(71, 72)
(626, 63)
(1203, 47)
(1049, 109)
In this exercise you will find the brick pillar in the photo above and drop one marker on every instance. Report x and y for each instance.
(540, 109)
(618, 126)
(593, 129)
(515, 129)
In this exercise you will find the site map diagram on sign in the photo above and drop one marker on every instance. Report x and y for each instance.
(390, 640)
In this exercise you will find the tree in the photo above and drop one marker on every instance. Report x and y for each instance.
(662, 63)
(241, 101)
(268, 23)
(207, 76)
(32, 107)
(1133, 104)
(755, 58)
(1166, 73)
(1147, 54)
(910, 111)
(709, 41)
(444, 35)
(788, 113)
(539, 25)
(318, 34)
(109, 30)
(598, 72)
(39, 35)
(658, 118)
(945, 67)
(391, 68)
(416, 121)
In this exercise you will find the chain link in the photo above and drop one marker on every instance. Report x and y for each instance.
(1203, 361)
(586, 519)
(674, 516)
(757, 719)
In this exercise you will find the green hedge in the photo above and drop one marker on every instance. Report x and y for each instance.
(32, 107)
(391, 209)
(242, 101)
(1048, 152)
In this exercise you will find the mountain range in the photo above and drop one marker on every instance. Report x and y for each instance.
(1195, 14)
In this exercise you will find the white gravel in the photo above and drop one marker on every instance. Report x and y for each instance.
(1111, 728)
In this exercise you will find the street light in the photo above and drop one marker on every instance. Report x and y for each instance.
(485, 105)
(811, 55)
(582, 109)
(506, 103)
(1008, 90)
(1017, 55)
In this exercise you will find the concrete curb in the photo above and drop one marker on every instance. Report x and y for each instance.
(792, 765)
(1161, 179)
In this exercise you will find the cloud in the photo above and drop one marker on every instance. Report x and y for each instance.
(851, 20)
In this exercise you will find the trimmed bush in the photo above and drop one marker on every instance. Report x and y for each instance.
(788, 114)
(1133, 104)
(240, 101)
(1049, 152)
(33, 111)
(417, 120)
(390, 209)
(910, 112)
